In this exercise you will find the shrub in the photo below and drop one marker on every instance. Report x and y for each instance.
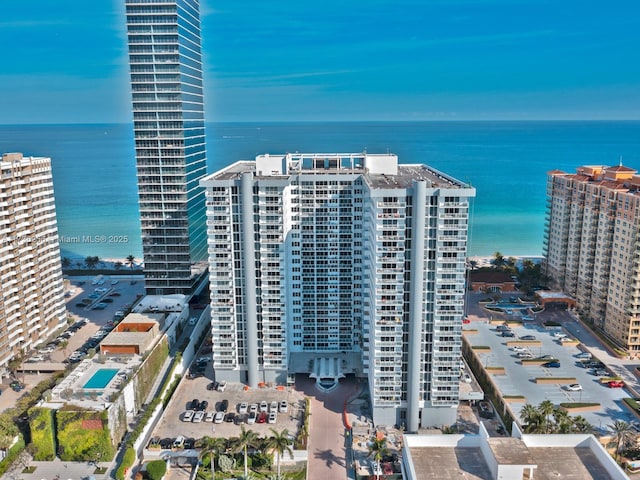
(42, 436)
(156, 469)
(127, 462)
(79, 443)
(633, 403)
(579, 404)
(13, 453)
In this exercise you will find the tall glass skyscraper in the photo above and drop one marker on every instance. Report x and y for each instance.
(168, 114)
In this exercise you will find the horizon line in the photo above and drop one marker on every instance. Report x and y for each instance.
(281, 122)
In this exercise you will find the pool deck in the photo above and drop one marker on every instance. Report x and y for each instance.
(72, 389)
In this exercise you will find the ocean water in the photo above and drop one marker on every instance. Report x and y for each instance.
(507, 162)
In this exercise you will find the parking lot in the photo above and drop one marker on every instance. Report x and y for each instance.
(78, 288)
(519, 378)
(172, 424)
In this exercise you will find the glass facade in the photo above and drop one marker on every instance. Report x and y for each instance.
(168, 113)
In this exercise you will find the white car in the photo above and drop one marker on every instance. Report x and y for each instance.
(273, 407)
(253, 408)
(264, 406)
(574, 387)
(114, 282)
(251, 419)
(273, 417)
(198, 416)
(209, 417)
(219, 417)
(283, 407)
(565, 339)
(243, 408)
(519, 349)
(187, 416)
(222, 385)
(523, 355)
(584, 356)
(559, 334)
(466, 378)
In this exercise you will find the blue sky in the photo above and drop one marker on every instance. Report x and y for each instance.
(65, 61)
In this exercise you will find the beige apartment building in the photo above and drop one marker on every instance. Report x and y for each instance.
(592, 246)
(32, 295)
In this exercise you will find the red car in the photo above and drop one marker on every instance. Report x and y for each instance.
(262, 417)
(616, 384)
(466, 320)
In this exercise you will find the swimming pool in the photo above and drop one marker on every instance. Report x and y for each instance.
(511, 306)
(101, 378)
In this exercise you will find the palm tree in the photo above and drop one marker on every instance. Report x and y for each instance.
(546, 409)
(563, 423)
(280, 443)
(131, 261)
(378, 449)
(498, 260)
(581, 425)
(63, 346)
(473, 264)
(532, 418)
(211, 446)
(66, 263)
(247, 438)
(622, 433)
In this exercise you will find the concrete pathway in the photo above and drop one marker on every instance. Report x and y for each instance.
(327, 450)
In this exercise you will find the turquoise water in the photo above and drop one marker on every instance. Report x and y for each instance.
(101, 378)
(511, 306)
(95, 178)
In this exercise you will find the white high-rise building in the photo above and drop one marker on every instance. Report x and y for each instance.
(32, 303)
(337, 264)
(165, 60)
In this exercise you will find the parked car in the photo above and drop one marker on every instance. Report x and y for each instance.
(273, 406)
(178, 442)
(466, 378)
(198, 416)
(262, 417)
(523, 355)
(264, 406)
(219, 417)
(565, 340)
(203, 405)
(230, 417)
(615, 384)
(212, 386)
(187, 416)
(502, 328)
(551, 365)
(584, 355)
(253, 408)
(243, 408)
(273, 417)
(195, 403)
(528, 337)
(251, 418)
(519, 349)
(486, 410)
(559, 334)
(508, 333)
(574, 387)
(222, 386)
(189, 443)
(209, 417)
(283, 407)
(223, 406)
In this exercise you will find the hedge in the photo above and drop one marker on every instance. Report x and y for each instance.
(156, 469)
(42, 434)
(127, 462)
(13, 453)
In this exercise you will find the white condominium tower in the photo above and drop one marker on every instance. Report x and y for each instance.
(168, 117)
(32, 303)
(336, 264)
(592, 246)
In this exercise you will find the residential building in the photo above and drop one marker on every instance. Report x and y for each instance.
(592, 249)
(341, 264)
(32, 303)
(168, 119)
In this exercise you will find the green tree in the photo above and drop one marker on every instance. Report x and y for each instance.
(91, 262)
(622, 433)
(212, 447)
(532, 419)
(581, 425)
(66, 263)
(546, 409)
(473, 264)
(247, 438)
(117, 265)
(279, 442)
(131, 261)
(378, 450)
(8, 430)
(498, 260)
(156, 469)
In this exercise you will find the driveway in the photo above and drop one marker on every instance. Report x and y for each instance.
(327, 451)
